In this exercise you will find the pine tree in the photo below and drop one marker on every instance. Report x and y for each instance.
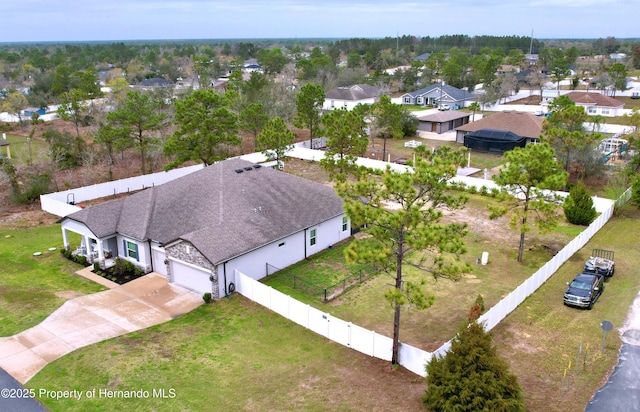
(578, 206)
(471, 377)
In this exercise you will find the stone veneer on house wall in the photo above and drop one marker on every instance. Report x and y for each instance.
(193, 256)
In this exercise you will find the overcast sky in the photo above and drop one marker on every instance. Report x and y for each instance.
(83, 20)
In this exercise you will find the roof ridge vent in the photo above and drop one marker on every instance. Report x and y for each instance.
(248, 168)
(239, 170)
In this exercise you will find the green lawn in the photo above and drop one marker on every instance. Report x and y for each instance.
(231, 355)
(542, 336)
(31, 287)
(19, 147)
(237, 355)
(365, 306)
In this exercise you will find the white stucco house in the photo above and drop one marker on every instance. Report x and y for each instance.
(198, 228)
(348, 97)
(595, 103)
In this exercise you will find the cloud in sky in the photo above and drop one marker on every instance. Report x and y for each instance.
(74, 20)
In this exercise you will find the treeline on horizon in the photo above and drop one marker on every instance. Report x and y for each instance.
(416, 44)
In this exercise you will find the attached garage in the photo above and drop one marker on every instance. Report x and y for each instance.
(191, 276)
(158, 258)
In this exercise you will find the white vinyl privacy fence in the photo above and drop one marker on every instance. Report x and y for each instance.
(65, 202)
(374, 344)
(344, 333)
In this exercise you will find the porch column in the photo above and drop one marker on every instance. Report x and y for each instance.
(87, 248)
(100, 253)
(65, 238)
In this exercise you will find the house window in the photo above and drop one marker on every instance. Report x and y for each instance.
(131, 250)
(333, 103)
(312, 237)
(605, 111)
(280, 244)
(345, 224)
(592, 110)
(419, 100)
(407, 99)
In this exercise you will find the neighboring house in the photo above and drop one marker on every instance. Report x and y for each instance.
(549, 94)
(521, 124)
(443, 121)
(597, 104)
(349, 97)
(438, 94)
(507, 68)
(154, 83)
(422, 57)
(198, 229)
(251, 65)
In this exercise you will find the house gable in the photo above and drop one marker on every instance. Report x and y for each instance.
(442, 93)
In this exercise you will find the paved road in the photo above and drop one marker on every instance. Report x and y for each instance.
(12, 401)
(621, 393)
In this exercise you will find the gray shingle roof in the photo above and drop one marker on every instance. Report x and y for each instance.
(354, 92)
(223, 213)
(454, 93)
(444, 116)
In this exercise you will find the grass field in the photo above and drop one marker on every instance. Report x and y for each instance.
(542, 336)
(231, 355)
(19, 147)
(365, 306)
(31, 287)
(237, 355)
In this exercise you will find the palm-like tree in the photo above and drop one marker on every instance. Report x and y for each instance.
(474, 107)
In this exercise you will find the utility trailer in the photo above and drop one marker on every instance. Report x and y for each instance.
(601, 262)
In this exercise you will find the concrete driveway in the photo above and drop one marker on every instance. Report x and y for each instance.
(85, 320)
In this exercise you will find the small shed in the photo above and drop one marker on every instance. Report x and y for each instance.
(493, 141)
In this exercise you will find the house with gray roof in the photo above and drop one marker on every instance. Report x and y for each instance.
(198, 229)
(438, 94)
(348, 97)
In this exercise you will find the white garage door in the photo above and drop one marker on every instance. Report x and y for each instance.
(158, 262)
(190, 277)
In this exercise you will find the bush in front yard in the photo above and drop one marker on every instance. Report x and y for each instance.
(578, 206)
(471, 376)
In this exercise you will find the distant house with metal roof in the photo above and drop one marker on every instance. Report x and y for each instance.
(348, 97)
(437, 94)
(595, 103)
(197, 229)
(522, 124)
